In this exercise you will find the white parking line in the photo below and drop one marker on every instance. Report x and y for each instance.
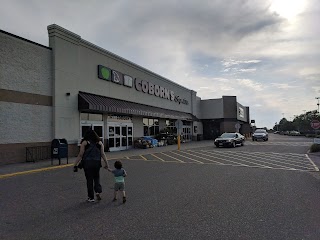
(254, 161)
(204, 158)
(187, 157)
(285, 160)
(289, 144)
(237, 158)
(264, 162)
(172, 157)
(315, 167)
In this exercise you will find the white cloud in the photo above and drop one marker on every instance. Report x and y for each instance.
(250, 84)
(247, 70)
(283, 85)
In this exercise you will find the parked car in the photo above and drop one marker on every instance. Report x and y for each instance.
(260, 134)
(241, 136)
(276, 132)
(294, 133)
(229, 140)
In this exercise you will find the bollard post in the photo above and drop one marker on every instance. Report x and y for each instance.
(178, 141)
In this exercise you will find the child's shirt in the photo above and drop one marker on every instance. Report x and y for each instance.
(119, 175)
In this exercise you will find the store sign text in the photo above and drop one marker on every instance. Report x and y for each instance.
(156, 90)
(140, 85)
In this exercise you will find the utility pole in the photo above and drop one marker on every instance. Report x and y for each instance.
(318, 104)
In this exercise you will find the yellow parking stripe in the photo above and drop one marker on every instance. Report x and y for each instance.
(34, 171)
(143, 157)
(158, 157)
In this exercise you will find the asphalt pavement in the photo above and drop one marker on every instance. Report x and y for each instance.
(263, 190)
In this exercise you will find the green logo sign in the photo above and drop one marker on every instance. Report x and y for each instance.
(104, 73)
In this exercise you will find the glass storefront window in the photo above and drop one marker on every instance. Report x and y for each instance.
(150, 126)
(156, 130)
(124, 131)
(111, 142)
(130, 141)
(145, 130)
(84, 130)
(117, 131)
(111, 131)
(151, 130)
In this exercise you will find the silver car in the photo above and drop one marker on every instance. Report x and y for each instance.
(260, 134)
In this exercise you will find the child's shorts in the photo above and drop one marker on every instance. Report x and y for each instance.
(119, 186)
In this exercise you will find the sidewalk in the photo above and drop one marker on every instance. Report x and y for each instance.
(46, 164)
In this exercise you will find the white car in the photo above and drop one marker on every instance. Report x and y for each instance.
(260, 134)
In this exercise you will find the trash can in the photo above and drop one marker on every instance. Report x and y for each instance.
(59, 149)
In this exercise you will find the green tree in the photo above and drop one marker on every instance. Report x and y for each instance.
(300, 123)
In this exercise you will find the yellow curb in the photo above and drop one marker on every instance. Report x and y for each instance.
(34, 171)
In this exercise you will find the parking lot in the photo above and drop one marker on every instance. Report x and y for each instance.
(262, 190)
(270, 160)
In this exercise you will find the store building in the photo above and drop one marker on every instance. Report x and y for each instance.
(62, 90)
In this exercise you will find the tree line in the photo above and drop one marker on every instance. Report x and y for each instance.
(300, 123)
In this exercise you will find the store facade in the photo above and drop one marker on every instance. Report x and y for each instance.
(76, 85)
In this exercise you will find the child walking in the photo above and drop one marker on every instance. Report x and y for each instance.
(119, 175)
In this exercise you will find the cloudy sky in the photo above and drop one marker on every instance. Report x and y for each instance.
(265, 52)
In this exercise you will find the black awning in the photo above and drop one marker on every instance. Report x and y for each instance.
(95, 103)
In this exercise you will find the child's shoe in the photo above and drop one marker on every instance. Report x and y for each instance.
(91, 200)
(124, 199)
(113, 200)
(98, 196)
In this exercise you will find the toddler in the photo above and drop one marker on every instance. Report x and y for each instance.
(119, 174)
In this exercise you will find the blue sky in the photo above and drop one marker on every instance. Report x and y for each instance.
(267, 53)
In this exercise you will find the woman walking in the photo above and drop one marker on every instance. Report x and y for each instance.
(91, 152)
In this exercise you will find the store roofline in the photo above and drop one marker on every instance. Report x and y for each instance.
(24, 39)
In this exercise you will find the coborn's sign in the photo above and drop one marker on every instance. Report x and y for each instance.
(140, 85)
(153, 89)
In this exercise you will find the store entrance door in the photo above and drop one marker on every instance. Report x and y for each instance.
(186, 134)
(96, 126)
(120, 136)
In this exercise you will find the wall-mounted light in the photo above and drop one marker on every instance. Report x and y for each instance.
(68, 94)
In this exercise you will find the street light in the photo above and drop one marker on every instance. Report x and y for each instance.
(318, 104)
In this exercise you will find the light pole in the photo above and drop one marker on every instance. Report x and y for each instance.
(318, 104)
